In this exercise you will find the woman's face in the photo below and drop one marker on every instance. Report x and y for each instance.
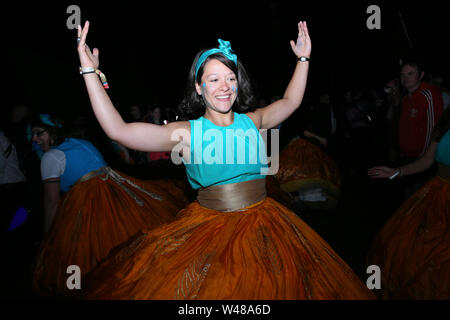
(218, 86)
(41, 137)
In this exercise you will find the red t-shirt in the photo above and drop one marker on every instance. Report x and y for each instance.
(419, 113)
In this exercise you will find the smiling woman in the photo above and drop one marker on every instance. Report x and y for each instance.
(234, 242)
(226, 83)
(219, 90)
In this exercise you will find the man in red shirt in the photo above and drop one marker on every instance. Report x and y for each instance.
(420, 110)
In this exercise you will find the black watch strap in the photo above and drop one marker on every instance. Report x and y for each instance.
(303, 59)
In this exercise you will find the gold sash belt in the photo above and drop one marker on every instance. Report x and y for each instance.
(443, 171)
(117, 178)
(233, 196)
(91, 175)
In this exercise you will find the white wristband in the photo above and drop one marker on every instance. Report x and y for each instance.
(86, 69)
(394, 175)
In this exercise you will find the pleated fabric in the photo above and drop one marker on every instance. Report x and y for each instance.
(413, 247)
(261, 252)
(303, 165)
(94, 217)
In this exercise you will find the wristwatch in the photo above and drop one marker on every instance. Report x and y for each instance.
(303, 59)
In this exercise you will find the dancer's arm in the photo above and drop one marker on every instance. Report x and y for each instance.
(275, 113)
(420, 165)
(137, 136)
(51, 201)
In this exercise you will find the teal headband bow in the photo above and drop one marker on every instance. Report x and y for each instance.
(46, 119)
(224, 48)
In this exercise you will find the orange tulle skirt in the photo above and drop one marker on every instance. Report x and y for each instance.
(94, 217)
(413, 248)
(261, 252)
(304, 166)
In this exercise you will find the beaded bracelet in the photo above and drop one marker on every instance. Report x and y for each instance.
(87, 70)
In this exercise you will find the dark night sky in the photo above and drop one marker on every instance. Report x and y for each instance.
(146, 48)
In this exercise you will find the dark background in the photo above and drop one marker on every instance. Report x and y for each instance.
(146, 51)
(146, 47)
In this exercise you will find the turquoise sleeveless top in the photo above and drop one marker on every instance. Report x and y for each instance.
(443, 150)
(222, 155)
(81, 157)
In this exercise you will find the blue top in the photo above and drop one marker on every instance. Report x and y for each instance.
(81, 157)
(443, 150)
(223, 155)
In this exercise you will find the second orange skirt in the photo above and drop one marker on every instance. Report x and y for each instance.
(95, 216)
(413, 247)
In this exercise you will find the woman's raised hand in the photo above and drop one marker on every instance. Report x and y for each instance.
(381, 172)
(87, 58)
(303, 45)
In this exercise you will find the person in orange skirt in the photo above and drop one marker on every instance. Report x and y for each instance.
(88, 207)
(413, 247)
(310, 172)
(232, 242)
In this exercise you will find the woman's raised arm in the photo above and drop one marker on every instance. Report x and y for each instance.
(137, 136)
(275, 113)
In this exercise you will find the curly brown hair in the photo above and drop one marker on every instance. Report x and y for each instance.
(192, 106)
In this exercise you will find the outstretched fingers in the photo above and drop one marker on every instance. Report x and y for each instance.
(305, 30)
(82, 34)
(88, 58)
